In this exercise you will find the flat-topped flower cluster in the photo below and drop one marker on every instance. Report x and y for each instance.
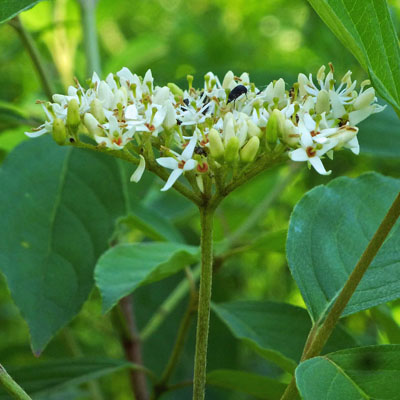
(220, 125)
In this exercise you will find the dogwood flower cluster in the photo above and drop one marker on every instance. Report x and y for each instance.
(221, 125)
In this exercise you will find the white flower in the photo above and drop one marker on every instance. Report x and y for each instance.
(179, 163)
(42, 129)
(116, 138)
(312, 147)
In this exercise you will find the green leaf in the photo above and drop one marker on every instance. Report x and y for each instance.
(258, 386)
(329, 230)
(379, 136)
(267, 327)
(53, 376)
(366, 29)
(10, 8)
(354, 374)
(125, 267)
(58, 208)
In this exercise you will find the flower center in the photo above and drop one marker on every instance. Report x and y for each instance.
(181, 164)
(311, 151)
(202, 168)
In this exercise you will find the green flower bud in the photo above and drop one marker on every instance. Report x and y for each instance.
(216, 147)
(228, 81)
(322, 103)
(232, 150)
(249, 151)
(59, 132)
(73, 118)
(96, 109)
(92, 125)
(253, 129)
(175, 89)
(273, 127)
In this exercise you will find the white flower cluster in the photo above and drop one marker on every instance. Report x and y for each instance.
(231, 122)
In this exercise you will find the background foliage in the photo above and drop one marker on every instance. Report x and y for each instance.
(267, 39)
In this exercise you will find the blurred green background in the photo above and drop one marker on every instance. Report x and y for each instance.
(270, 39)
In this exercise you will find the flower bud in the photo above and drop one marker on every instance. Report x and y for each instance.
(249, 151)
(364, 99)
(245, 79)
(73, 118)
(58, 98)
(229, 127)
(92, 125)
(232, 150)
(253, 129)
(228, 81)
(175, 89)
(322, 103)
(59, 132)
(275, 121)
(303, 82)
(279, 88)
(215, 144)
(170, 116)
(96, 109)
(105, 94)
(161, 95)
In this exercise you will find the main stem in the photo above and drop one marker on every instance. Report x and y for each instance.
(11, 386)
(203, 317)
(321, 332)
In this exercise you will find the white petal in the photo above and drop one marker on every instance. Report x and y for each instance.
(337, 107)
(175, 174)
(139, 170)
(188, 152)
(113, 124)
(36, 134)
(298, 155)
(355, 117)
(168, 162)
(318, 166)
(309, 122)
(189, 165)
(131, 112)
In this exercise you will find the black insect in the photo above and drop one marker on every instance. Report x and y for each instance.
(186, 101)
(236, 92)
(201, 151)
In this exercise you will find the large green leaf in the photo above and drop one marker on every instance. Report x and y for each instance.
(258, 386)
(379, 135)
(125, 267)
(58, 208)
(11, 8)
(354, 374)
(53, 376)
(268, 328)
(366, 29)
(329, 230)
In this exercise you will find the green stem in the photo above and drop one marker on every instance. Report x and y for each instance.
(88, 12)
(34, 54)
(11, 386)
(203, 317)
(321, 332)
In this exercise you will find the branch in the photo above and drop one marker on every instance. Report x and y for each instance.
(321, 332)
(126, 325)
(34, 54)
(11, 386)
